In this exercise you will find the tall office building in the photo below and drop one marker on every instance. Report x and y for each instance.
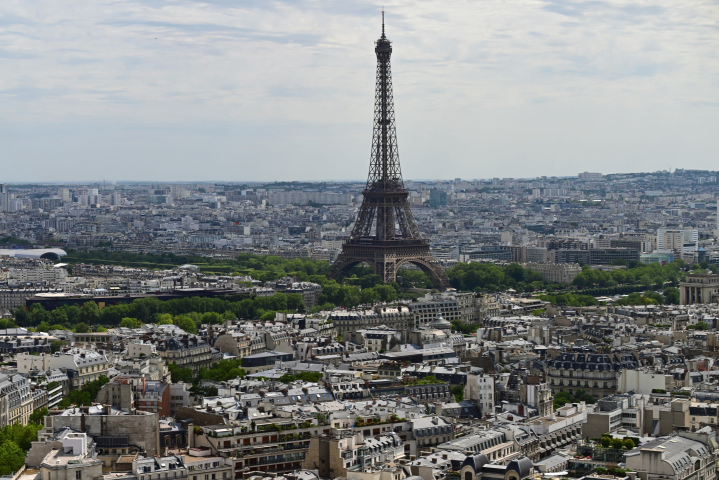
(4, 197)
(676, 240)
(437, 198)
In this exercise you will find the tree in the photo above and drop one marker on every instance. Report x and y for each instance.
(56, 346)
(606, 442)
(12, 458)
(617, 443)
(223, 371)
(59, 315)
(352, 296)
(20, 435)
(38, 416)
(671, 296)
(212, 318)
(186, 323)
(82, 328)
(699, 326)
(386, 293)
(458, 392)
(22, 317)
(164, 319)
(43, 327)
(369, 296)
(90, 313)
(6, 323)
(101, 329)
(86, 395)
(629, 443)
(130, 323)
(180, 374)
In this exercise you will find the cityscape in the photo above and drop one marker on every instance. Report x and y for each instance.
(556, 327)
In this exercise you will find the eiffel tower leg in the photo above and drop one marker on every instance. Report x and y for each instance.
(432, 269)
(386, 266)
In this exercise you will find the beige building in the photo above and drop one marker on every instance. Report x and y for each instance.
(15, 400)
(699, 288)
(336, 456)
(88, 365)
(555, 272)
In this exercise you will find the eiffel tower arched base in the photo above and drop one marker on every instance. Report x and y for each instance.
(386, 258)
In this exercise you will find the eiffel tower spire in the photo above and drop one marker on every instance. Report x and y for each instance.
(385, 235)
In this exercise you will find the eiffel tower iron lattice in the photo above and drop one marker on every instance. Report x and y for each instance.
(385, 235)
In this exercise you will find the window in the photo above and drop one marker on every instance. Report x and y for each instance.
(78, 474)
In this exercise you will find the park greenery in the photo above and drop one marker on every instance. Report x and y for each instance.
(650, 276)
(359, 286)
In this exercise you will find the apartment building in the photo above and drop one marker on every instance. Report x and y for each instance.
(81, 366)
(17, 400)
(186, 351)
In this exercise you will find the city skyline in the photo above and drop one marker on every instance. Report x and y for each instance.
(282, 90)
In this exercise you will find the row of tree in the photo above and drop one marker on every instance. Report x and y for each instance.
(649, 276)
(147, 310)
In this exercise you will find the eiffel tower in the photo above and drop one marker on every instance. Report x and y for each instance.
(385, 235)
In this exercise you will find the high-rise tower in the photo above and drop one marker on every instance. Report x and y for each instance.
(385, 235)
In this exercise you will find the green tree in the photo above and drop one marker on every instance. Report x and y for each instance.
(90, 313)
(130, 323)
(458, 392)
(561, 399)
(100, 329)
(386, 293)
(22, 317)
(212, 318)
(6, 323)
(223, 371)
(617, 443)
(43, 327)
(56, 346)
(369, 296)
(186, 323)
(699, 326)
(38, 416)
(629, 443)
(21, 435)
(606, 442)
(180, 374)
(82, 328)
(12, 457)
(164, 319)
(352, 296)
(671, 296)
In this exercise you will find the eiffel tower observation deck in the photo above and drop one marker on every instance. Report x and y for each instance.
(385, 235)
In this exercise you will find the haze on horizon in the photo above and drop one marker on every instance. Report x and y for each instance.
(283, 90)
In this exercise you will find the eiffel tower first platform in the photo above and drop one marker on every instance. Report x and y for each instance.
(385, 235)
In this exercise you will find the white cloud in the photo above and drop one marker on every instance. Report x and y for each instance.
(245, 90)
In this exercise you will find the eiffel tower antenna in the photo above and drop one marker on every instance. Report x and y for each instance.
(383, 22)
(385, 235)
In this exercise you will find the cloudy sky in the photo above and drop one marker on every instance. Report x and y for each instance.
(243, 90)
